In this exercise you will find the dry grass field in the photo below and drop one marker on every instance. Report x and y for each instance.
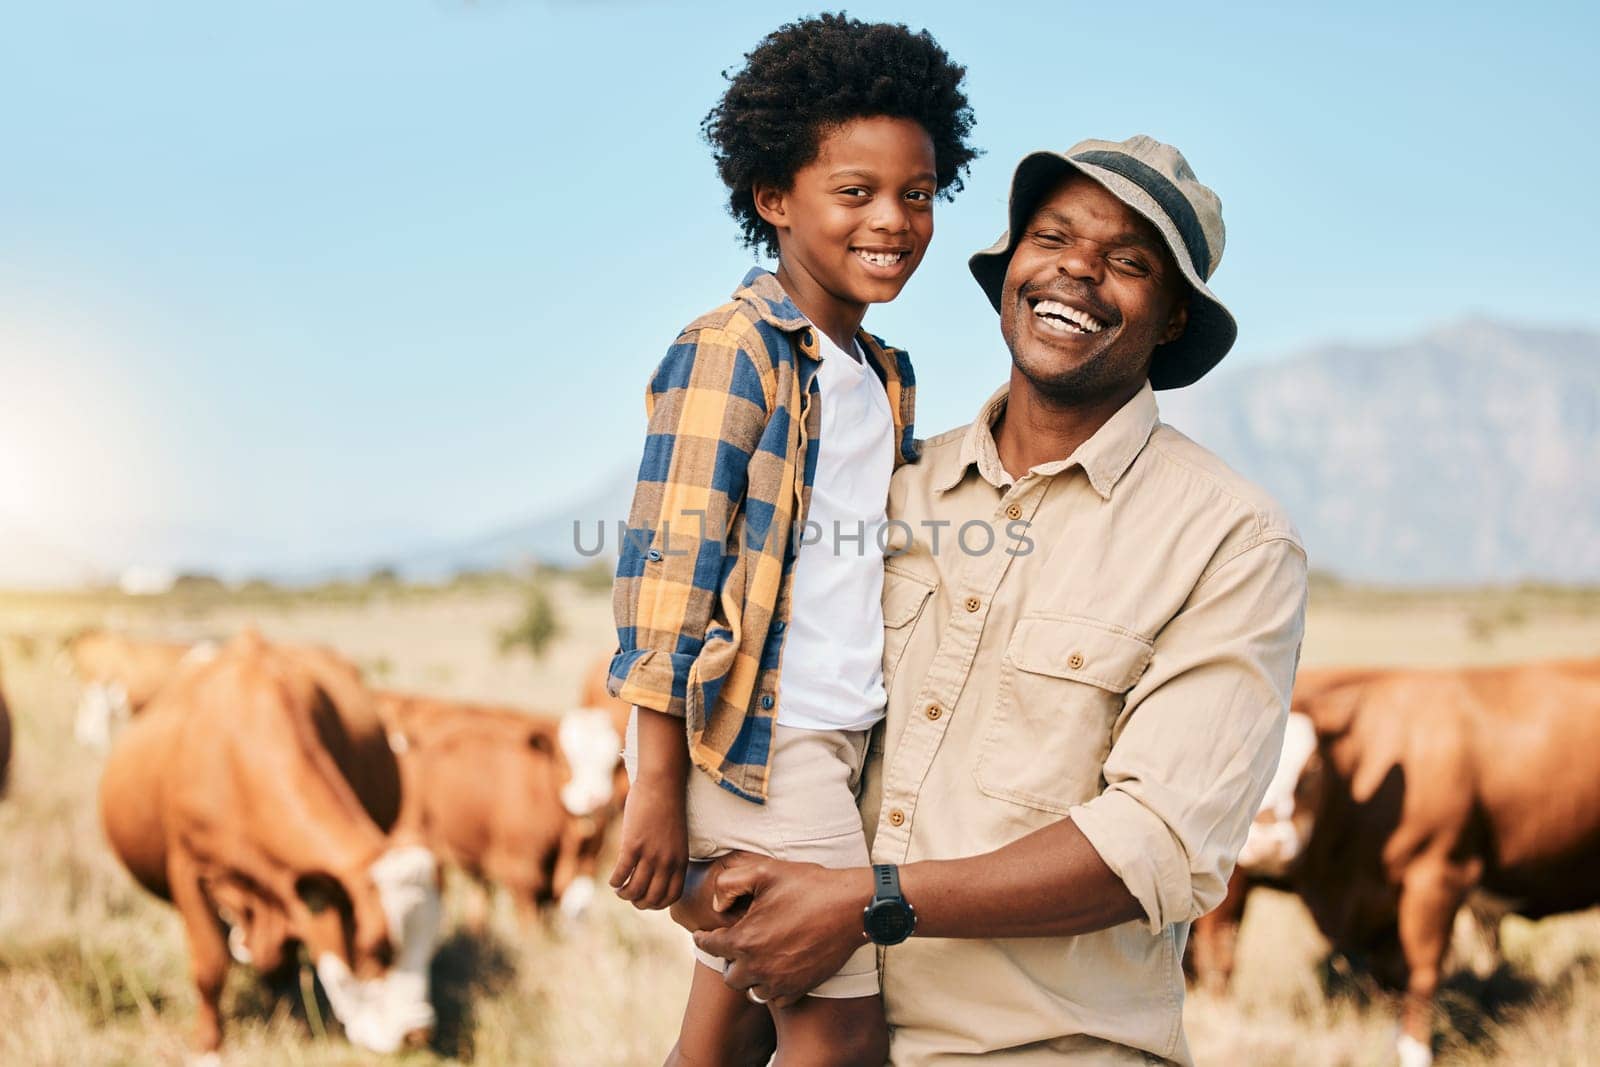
(93, 971)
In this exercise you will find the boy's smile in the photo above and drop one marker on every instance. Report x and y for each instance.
(855, 222)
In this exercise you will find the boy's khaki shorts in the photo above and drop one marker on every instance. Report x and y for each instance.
(810, 817)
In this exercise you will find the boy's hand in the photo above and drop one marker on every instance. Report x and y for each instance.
(654, 851)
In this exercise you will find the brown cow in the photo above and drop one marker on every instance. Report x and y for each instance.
(594, 695)
(120, 675)
(1425, 786)
(511, 798)
(257, 790)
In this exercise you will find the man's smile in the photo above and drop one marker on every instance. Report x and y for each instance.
(1058, 315)
(1055, 315)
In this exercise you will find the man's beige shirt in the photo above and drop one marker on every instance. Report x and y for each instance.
(1121, 655)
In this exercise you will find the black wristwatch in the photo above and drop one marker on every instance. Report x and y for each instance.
(888, 920)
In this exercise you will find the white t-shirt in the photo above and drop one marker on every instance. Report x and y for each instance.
(833, 654)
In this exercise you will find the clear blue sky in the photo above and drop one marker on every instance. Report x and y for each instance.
(326, 278)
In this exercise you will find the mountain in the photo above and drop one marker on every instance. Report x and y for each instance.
(568, 535)
(1470, 454)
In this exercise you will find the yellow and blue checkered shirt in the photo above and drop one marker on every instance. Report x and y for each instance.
(707, 561)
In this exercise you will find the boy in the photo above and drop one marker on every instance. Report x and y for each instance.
(752, 554)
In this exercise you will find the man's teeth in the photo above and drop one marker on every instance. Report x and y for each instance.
(1082, 321)
(880, 259)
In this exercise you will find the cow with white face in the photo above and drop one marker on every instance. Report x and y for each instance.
(1283, 823)
(120, 675)
(592, 748)
(510, 797)
(258, 789)
(1427, 790)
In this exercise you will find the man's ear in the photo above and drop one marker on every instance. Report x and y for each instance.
(772, 204)
(1178, 321)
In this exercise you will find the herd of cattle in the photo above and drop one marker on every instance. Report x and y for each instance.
(278, 801)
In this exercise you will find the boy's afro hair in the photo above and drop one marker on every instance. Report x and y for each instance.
(821, 72)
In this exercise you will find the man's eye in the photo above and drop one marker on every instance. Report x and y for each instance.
(1132, 265)
(1048, 237)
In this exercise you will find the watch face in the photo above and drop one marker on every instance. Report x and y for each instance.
(890, 922)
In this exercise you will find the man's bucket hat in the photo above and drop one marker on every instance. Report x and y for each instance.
(1155, 180)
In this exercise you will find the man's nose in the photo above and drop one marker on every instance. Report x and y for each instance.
(1076, 261)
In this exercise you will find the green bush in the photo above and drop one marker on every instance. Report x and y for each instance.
(538, 626)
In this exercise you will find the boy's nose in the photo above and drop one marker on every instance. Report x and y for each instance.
(890, 217)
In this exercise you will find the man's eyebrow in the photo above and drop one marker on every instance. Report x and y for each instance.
(1127, 237)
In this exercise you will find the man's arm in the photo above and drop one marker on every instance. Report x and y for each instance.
(1197, 745)
(803, 921)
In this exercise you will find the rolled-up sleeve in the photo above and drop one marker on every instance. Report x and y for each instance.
(1199, 735)
(707, 412)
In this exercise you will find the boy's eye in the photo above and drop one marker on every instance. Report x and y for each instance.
(854, 190)
(921, 196)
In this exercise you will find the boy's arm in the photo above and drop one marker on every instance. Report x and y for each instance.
(708, 408)
(653, 851)
(707, 411)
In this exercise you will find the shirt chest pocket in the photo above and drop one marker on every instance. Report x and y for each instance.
(905, 597)
(1061, 687)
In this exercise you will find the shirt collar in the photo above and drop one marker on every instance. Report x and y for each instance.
(1105, 457)
(760, 289)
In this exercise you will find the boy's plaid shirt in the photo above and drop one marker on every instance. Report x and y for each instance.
(703, 583)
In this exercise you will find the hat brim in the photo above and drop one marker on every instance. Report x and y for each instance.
(1211, 329)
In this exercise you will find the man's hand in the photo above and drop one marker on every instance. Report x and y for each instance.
(655, 845)
(803, 922)
(694, 911)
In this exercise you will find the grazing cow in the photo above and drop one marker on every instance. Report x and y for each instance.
(1425, 786)
(256, 792)
(511, 798)
(120, 675)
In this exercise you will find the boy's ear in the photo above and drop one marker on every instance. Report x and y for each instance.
(771, 204)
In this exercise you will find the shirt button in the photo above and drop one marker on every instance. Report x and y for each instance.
(1014, 511)
(766, 701)
(973, 603)
(897, 817)
(778, 627)
(805, 338)
(934, 711)
(654, 555)
(1075, 661)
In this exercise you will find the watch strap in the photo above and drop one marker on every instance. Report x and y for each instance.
(885, 882)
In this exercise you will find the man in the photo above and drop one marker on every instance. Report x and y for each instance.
(1092, 626)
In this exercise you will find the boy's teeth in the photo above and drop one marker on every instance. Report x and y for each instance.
(881, 259)
(1082, 321)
